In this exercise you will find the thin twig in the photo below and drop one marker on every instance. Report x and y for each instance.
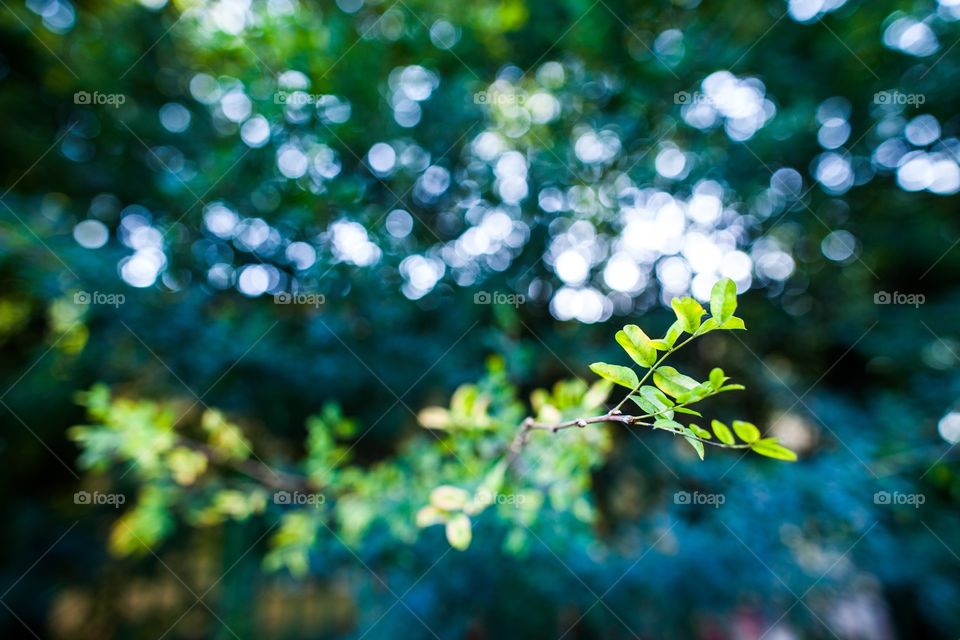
(614, 415)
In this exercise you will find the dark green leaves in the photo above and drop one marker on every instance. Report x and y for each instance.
(637, 345)
(723, 300)
(672, 382)
(688, 313)
(614, 373)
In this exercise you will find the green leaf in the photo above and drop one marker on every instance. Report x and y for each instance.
(597, 394)
(693, 442)
(459, 533)
(493, 481)
(733, 323)
(449, 498)
(430, 515)
(700, 432)
(717, 378)
(708, 325)
(746, 431)
(660, 344)
(668, 425)
(772, 449)
(723, 300)
(688, 313)
(623, 376)
(732, 387)
(637, 345)
(435, 418)
(723, 433)
(672, 382)
(645, 405)
(698, 393)
(689, 411)
(653, 401)
(674, 332)
(656, 396)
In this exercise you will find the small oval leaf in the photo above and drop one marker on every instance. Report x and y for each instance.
(672, 382)
(689, 312)
(770, 448)
(723, 299)
(459, 533)
(637, 345)
(733, 323)
(746, 431)
(723, 433)
(449, 498)
(623, 376)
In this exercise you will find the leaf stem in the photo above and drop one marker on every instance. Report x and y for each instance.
(614, 415)
(651, 370)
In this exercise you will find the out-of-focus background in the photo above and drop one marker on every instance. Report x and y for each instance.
(298, 212)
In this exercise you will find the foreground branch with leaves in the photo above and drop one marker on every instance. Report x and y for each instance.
(483, 453)
(672, 393)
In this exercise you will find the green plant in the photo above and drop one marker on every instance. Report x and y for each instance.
(478, 457)
(671, 393)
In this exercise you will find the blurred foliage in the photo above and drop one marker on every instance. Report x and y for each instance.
(182, 373)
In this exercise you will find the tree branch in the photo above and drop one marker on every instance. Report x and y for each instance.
(614, 415)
